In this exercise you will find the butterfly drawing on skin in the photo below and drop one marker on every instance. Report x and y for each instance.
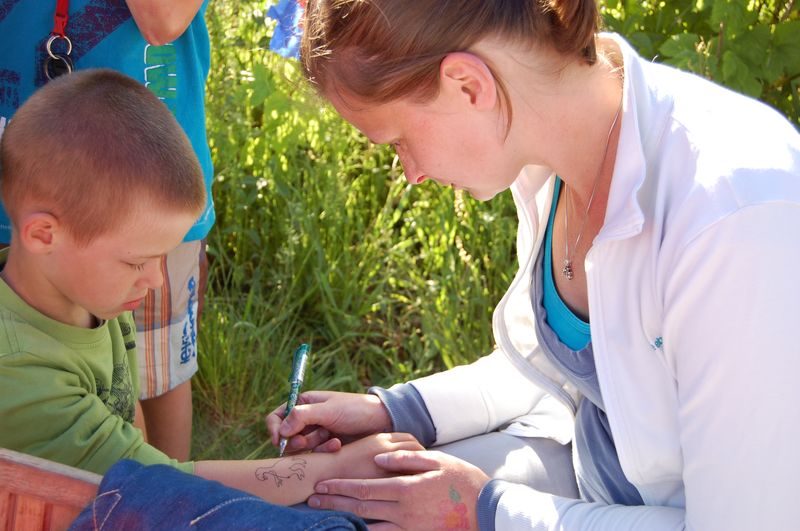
(283, 469)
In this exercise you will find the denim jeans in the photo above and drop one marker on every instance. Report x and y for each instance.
(134, 496)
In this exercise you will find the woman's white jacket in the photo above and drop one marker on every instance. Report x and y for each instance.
(694, 300)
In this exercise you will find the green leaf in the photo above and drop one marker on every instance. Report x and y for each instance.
(729, 14)
(680, 44)
(681, 51)
(262, 84)
(738, 76)
(787, 45)
(752, 46)
(643, 43)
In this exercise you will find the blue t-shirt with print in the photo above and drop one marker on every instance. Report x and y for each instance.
(104, 35)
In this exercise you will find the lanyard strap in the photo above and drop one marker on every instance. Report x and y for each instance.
(58, 62)
(60, 18)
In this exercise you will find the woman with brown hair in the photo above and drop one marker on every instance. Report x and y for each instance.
(652, 323)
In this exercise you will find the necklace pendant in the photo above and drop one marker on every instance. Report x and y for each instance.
(567, 269)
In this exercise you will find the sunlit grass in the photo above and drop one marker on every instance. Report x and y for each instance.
(320, 239)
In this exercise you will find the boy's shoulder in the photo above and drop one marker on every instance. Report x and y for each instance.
(19, 337)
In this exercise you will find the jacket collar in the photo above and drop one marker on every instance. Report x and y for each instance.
(646, 115)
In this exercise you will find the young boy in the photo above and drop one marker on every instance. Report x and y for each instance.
(77, 266)
(164, 46)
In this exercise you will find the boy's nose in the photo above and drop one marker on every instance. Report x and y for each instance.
(152, 276)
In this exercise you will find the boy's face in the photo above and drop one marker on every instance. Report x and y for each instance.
(113, 273)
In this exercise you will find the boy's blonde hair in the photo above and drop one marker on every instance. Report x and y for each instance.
(89, 147)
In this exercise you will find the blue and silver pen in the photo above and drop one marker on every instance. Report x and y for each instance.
(299, 362)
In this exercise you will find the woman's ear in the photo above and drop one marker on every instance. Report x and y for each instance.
(38, 232)
(465, 75)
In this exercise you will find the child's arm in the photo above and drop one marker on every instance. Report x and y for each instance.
(138, 420)
(161, 22)
(291, 479)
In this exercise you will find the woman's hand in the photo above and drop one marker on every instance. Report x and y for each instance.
(441, 493)
(357, 459)
(323, 420)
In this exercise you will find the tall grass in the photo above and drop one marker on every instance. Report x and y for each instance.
(320, 239)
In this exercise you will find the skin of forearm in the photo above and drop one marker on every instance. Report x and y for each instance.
(283, 481)
(138, 421)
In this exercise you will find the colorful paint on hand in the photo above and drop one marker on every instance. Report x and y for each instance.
(452, 512)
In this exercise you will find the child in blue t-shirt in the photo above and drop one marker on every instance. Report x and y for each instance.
(165, 46)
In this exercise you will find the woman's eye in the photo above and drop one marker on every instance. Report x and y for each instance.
(137, 267)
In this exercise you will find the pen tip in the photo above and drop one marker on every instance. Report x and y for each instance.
(282, 447)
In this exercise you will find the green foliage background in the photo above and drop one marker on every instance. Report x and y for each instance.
(320, 239)
(751, 46)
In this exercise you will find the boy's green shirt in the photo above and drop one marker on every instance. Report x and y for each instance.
(67, 393)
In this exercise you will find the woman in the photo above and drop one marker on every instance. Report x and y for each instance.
(652, 321)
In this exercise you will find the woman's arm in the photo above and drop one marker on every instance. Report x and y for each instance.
(731, 336)
(494, 392)
(491, 389)
(161, 21)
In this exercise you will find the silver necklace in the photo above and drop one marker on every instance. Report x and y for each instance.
(567, 270)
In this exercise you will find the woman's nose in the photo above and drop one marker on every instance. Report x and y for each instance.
(413, 175)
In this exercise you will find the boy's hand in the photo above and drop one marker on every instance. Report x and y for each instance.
(357, 459)
(323, 420)
(427, 490)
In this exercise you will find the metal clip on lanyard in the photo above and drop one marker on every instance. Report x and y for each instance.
(57, 63)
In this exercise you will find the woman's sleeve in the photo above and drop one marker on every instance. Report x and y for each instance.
(483, 396)
(504, 506)
(732, 319)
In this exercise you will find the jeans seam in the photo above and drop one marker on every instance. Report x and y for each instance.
(318, 523)
(115, 492)
(220, 506)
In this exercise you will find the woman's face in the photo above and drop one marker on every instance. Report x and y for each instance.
(442, 140)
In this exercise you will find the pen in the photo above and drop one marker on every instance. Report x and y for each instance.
(299, 361)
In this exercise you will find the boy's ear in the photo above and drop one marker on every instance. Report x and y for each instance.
(466, 75)
(38, 231)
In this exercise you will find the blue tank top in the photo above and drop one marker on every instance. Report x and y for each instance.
(566, 341)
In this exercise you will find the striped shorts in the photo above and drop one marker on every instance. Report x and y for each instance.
(166, 323)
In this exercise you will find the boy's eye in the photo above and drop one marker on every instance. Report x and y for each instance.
(137, 267)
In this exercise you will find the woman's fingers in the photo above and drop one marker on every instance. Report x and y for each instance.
(409, 461)
(329, 446)
(373, 499)
(381, 489)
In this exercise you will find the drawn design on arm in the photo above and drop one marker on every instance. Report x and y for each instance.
(452, 512)
(283, 469)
